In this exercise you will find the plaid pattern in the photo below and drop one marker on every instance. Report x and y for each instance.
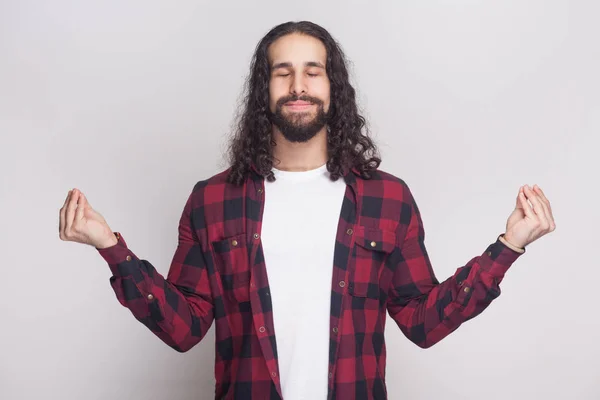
(381, 266)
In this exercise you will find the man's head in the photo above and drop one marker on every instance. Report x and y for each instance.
(299, 83)
(299, 90)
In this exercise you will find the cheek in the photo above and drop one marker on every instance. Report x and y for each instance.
(323, 91)
(325, 96)
(274, 95)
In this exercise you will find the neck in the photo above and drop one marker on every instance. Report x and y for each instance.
(291, 156)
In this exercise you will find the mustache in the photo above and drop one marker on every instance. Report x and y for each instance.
(289, 98)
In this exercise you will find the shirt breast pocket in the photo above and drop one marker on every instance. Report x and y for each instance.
(369, 253)
(232, 261)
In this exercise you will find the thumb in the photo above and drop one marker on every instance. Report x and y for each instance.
(82, 204)
(518, 204)
(84, 201)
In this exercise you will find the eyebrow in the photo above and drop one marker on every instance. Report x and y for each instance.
(306, 64)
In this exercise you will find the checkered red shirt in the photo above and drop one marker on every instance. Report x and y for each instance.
(380, 266)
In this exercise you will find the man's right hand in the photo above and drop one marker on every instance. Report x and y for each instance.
(80, 223)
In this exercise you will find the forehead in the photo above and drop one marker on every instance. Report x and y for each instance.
(297, 48)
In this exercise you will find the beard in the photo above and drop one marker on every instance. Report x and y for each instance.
(298, 126)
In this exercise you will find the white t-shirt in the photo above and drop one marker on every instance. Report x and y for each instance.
(300, 220)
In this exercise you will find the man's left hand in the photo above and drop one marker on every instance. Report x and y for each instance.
(528, 223)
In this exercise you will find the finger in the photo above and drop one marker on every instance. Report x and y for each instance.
(518, 205)
(540, 193)
(526, 207)
(547, 215)
(62, 216)
(547, 210)
(537, 207)
(80, 205)
(71, 210)
(67, 198)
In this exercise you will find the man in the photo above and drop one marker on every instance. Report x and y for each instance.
(300, 249)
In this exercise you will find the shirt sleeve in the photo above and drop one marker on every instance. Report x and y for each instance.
(426, 310)
(179, 308)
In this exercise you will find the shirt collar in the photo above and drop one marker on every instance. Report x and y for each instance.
(347, 176)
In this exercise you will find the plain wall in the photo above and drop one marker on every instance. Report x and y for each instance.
(132, 102)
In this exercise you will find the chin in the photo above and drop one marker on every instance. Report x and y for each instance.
(306, 116)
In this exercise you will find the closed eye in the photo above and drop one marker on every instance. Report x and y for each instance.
(311, 75)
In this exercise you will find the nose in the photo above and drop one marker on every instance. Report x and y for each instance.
(298, 85)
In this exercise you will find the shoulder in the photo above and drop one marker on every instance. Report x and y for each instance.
(214, 189)
(386, 184)
(218, 179)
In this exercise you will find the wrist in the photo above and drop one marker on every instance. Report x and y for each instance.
(511, 242)
(110, 241)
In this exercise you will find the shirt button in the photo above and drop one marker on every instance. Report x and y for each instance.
(335, 329)
(262, 329)
(373, 244)
(467, 289)
(342, 283)
(128, 258)
(273, 374)
(349, 231)
(330, 375)
(259, 190)
(256, 236)
(150, 297)
(234, 243)
(489, 253)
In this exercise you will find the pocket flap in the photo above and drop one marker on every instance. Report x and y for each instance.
(376, 239)
(230, 243)
(232, 255)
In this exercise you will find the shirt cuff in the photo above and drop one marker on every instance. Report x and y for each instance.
(499, 256)
(510, 246)
(118, 257)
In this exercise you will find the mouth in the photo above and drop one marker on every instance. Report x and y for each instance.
(298, 105)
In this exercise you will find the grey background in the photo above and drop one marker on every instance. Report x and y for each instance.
(131, 102)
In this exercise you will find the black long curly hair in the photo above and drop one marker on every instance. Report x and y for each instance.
(348, 142)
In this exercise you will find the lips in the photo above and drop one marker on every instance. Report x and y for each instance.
(298, 103)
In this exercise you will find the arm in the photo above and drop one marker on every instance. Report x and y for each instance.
(427, 311)
(178, 309)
